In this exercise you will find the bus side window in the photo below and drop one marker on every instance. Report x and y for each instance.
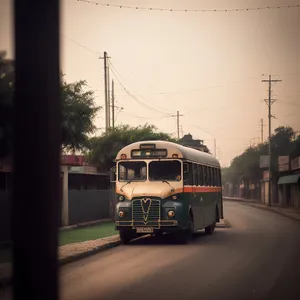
(195, 174)
(201, 181)
(205, 170)
(214, 177)
(219, 178)
(210, 178)
(185, 173)
(198, 175)
(191, 179)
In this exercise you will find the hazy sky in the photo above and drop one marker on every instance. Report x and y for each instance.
(207, 65)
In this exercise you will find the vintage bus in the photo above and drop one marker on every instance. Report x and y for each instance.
(164, 187)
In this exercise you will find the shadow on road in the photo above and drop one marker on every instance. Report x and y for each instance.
(170, 240)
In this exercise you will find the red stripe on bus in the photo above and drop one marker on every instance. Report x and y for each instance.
(201, 189)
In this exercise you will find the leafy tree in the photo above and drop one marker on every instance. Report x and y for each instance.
(78, 111)
(295, 147)
(246, 166)
(105, 148)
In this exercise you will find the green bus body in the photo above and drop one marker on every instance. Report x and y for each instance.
(186, 206)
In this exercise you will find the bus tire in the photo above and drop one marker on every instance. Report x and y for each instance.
(185, 236)
(210, 229)
(125, 237)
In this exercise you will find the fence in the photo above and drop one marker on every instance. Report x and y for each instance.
(88, 205)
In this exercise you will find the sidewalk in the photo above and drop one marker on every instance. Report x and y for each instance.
(75, 242)
(291, 213)
(67, 253)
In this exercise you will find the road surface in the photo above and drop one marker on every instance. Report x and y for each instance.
(258, 257)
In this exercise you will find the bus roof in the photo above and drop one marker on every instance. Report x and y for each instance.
(183, 152)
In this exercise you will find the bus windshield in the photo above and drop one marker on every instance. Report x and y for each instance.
(132, 171)
(165, 170)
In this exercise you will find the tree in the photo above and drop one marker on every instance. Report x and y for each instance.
(78, 111)
(105, 148)
(246, 166)
(295, 147)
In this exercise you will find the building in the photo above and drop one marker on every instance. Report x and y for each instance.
(188, 141)
(289, 182)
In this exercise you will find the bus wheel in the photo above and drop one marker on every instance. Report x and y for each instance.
(210, 229)
(125, 236)
(184, 237)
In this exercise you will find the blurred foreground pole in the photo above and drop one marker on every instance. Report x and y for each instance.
(36, 198)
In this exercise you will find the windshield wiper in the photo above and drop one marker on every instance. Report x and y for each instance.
(172, 189)
(121, 189)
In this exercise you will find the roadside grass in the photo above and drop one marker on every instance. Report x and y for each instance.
(88, 233)
(76, 235)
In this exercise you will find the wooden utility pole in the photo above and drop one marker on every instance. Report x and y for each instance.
(269, 102)
(178, 125)
(106, 92)
(108, 98)
(113, 103)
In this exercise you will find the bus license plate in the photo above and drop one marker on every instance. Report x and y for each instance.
(144, 229)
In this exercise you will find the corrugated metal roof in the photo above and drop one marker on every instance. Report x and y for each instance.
(289, 179)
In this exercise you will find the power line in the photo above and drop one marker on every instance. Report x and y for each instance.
(145, 104)
(146, 118)
(145, 101)
(189, 10)
(195, 90)
(79, 44)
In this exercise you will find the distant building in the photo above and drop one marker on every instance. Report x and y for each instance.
(188, 141)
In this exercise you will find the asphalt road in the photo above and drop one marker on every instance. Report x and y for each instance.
(258, 257)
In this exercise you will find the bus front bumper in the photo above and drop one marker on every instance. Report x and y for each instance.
(150, 227)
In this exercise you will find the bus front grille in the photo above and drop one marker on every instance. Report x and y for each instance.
(145, 212)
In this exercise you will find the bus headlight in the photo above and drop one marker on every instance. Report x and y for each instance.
(171, 213)
(174, 197)
(121, 198)
(121, 214)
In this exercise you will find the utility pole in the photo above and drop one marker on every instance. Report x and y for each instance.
(177, 122)
(113, 103)
(269, 102)
(108, 97)
(178, 126)
(107, 108)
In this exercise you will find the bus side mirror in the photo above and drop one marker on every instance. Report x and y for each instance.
(113, 175)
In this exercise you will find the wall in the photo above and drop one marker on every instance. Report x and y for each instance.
(88, 205)
(5, 216)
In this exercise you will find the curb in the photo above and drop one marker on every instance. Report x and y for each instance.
(276, 211)
(240, 200)
(6, 282)
(88, 253)
(281, 213)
